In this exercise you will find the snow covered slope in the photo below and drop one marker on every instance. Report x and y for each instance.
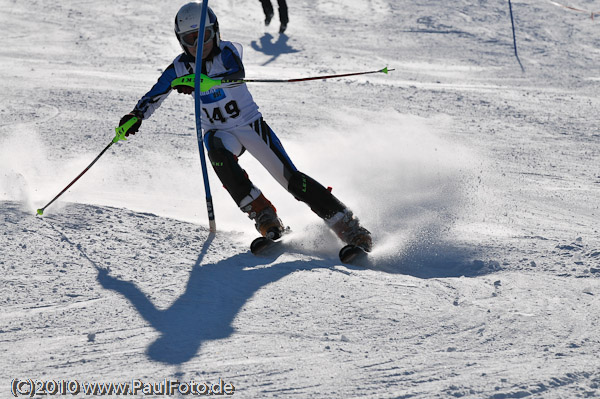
(479, 181)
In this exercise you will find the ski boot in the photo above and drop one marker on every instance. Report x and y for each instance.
(348, 229)
(265, 217)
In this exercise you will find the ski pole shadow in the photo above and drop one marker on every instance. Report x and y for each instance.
(214, 295)
(273, 48)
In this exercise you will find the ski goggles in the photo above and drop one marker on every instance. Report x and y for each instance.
(190, 38)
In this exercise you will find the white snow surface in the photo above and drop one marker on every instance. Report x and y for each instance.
(479, 181)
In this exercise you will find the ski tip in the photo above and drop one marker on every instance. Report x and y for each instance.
(351, 253)
(40, 212)
(260, 244)
(264, 244)
(386, 70)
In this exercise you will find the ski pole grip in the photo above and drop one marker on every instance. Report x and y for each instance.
(206, 83)
(187, 80)
(122, 130)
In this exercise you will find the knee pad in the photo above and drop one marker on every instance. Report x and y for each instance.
(232, 176)
(318, 198)
(210, 142)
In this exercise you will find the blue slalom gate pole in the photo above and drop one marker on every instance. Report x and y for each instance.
(198, 109)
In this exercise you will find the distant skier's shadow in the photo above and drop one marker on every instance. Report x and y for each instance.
(274, 49)
(214, 295)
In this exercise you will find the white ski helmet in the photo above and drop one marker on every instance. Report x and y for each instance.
(187, 22)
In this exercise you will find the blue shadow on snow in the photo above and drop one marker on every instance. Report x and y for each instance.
(214, 295)
(274, 49)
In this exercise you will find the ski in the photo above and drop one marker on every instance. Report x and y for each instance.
(352, 253)
(261, 245)
(349, 254)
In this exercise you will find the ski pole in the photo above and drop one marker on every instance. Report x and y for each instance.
(198, 109)
(120, 135)
(208, 83)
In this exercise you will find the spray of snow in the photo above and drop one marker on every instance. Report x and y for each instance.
(368, 164)
(22, 161)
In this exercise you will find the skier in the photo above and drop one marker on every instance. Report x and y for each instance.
(283, 13)
(232, 124)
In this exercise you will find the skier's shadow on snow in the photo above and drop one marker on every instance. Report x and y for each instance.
(273, 48)
(214, 295)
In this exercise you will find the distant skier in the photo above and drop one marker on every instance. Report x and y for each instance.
(283, 13)
(232, 124)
